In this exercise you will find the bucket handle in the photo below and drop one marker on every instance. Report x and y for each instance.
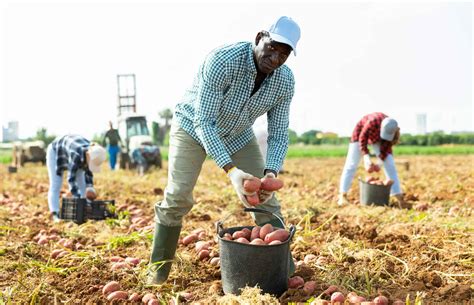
(219, 224)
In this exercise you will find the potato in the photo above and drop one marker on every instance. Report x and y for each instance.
(91, 194)
(266, 229)
(117, 295)
(135, 297)
(120, 265)
(115, 259)
(110, 287)
(55, 253)
(381, 300)
(357, 299)
(203, 254)
(62, 254)
(255, 233)
(247, 232)
(238, 234)
(69, 244)
(388, 182)
(320, 302)
(252, 185)
(153, 302)
(147, 297)
(295, 282)
(190, 239)
(398, 302)
(279, 234)
(253, 199)
(242, 240)
(215, 261)
(367, 303)
(337, 297)
(258, 242)
(227, 236)
(43, 240)
(271, 184)
(309, 287)
(330, 290)
(202, 245)
(275, 242)
(132, 261)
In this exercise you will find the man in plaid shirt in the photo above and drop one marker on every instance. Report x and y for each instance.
(381, 132)
(234, 85)
(80, 158)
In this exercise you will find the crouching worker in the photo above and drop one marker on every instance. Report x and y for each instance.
(235, 85)
(381, 132)
(80, 158)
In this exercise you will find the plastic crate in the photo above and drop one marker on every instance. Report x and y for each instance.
(80, 210)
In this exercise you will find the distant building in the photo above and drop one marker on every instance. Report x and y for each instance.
(421, 123)
(11, 132)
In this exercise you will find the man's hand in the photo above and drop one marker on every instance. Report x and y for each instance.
(367, 163)
(237, 178)
(91, 194)
(263, 195)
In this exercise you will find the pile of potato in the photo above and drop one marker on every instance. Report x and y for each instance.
(338, 297)
(260, 236)
(377, 181)
(256, 185)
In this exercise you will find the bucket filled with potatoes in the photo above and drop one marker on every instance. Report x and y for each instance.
(255, 256)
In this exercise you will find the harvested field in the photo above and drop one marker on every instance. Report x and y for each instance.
(424, 253)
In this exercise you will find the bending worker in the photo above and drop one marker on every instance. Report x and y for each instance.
(234, 85)
(381, 132)
(80, 158)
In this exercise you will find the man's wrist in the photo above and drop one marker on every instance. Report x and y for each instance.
(266, 171)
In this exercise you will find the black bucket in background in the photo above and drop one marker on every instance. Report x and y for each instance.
(374, 194)
(251, 265)
(12, 169)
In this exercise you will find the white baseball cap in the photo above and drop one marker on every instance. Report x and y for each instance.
(388, 129)
(97, 155)
(287, 31)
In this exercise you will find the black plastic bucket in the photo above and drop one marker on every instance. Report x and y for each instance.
(252, 265)
(12, 169)
(374, 194)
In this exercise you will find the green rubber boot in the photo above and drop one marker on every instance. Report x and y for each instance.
(165, 242)
(277, 224)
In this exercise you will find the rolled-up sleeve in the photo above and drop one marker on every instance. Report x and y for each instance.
(208, 100)
(71, 178)
(364, 138)
(278, 122)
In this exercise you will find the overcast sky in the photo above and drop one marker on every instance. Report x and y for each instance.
(59, 60)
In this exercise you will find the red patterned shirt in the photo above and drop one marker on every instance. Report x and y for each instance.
(367, 131)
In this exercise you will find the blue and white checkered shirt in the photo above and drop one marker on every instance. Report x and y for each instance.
(219, 112)
(70, 151)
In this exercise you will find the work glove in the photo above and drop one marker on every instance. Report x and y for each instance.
(367, 162)
(263, 195)
(91, 194)
(237, 178)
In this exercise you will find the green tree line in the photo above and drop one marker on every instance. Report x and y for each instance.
(430, 139)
